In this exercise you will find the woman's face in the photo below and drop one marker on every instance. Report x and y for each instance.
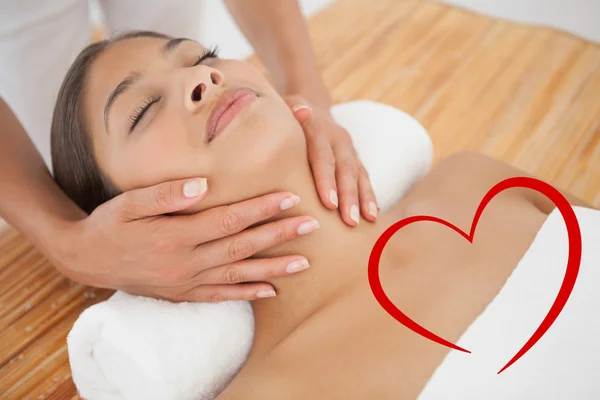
(160, 110)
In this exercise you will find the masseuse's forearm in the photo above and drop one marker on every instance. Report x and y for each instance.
(30, 200)
(278, 32)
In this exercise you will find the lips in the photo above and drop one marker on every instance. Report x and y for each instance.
(227, 107)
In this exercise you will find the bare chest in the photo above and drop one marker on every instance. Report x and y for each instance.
(353, 349)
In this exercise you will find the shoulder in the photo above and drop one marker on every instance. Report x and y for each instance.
(458, 183)
(464, 178)
(469, 168)
(487, 171)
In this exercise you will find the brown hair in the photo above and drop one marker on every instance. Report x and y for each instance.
(75, 168)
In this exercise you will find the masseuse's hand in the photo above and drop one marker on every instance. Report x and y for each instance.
(338, 172)
(128, 243)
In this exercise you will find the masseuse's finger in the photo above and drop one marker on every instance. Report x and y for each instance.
(225, 221)
(347, 173)
(253, 270)
(368, 203)
(217, 293)
(320, 154)
(322, 163)
(160, 199)
(245, 244)
(299, 106)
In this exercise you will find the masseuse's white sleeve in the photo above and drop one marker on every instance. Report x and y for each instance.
(178, 18)
(38, 42)
(40, 39)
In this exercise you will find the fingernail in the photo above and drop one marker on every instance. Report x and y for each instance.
(289, 202)
(298, 107)
(265, 293)
(308, 227)
(354, 215)
(333, 197)
(373, 209)
(194, 188)
(296, 266)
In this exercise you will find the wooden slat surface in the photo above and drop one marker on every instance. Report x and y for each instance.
(527, 95)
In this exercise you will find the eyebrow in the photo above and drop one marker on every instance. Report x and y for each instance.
(167, 48)
(119, 90)
(171, 45)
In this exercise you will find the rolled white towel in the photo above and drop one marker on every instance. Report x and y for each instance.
(394, 147)
(137, 348)
(133, 347)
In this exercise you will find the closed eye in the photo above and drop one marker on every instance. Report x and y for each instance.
(213, 52)
(141, 111)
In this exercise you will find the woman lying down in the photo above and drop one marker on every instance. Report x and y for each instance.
(324, 335)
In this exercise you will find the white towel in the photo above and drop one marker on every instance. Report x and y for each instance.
(136, 348)
(393, 146)
(565, 363)
(132, 347)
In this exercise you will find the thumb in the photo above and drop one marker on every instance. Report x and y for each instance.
(160, 199)
(300, 107)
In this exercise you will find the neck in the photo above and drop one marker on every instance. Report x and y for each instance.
(330, 251)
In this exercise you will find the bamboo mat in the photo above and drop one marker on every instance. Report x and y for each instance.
(526, 95)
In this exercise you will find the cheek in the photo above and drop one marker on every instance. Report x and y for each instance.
(267, 135)
(157, 154)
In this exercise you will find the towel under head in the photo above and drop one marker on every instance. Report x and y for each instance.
(133, 347)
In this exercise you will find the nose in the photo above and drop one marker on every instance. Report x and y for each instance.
(202, 81)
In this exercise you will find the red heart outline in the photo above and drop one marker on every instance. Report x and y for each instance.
(573, 263)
